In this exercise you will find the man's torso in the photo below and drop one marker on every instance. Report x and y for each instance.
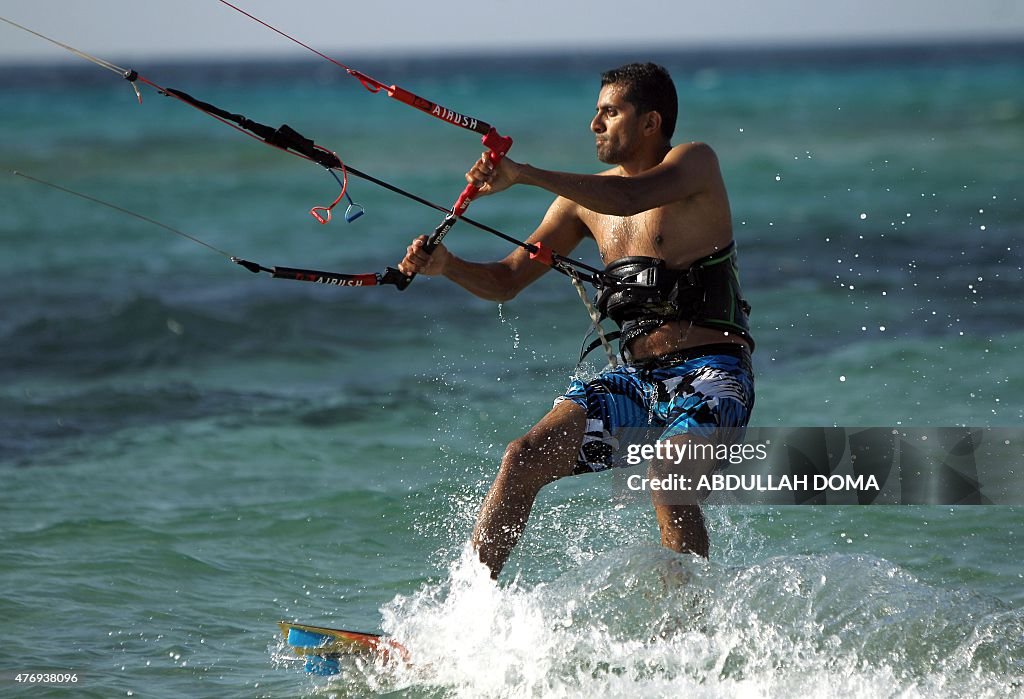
(679, 233)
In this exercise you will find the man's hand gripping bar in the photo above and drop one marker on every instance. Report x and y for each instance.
(498, 147)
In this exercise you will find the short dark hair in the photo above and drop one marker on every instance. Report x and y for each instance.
(649, 88)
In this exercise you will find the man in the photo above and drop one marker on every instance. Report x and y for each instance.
(688, 374)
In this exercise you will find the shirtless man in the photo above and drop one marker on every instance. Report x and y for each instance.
(688, 375)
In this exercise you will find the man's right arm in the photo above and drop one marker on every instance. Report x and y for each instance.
(560, 231)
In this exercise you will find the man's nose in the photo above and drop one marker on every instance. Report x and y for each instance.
(597, 124)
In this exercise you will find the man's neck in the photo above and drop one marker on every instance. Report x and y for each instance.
(645, 160)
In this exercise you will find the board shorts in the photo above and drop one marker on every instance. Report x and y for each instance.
(706, 392)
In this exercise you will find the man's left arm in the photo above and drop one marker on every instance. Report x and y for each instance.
(687, 170)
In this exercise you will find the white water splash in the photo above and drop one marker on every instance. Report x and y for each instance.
(646, 622)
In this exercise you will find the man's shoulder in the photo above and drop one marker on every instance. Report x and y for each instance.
(694, 150)
(695, 165)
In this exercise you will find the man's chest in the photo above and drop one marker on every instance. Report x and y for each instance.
(624, 236)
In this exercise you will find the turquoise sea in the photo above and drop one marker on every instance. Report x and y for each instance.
(190, 453)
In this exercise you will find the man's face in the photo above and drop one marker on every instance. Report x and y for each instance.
(616, 125)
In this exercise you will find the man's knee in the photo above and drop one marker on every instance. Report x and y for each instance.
(547, 452)
(530, 463)
(686, 456)
(682, 468)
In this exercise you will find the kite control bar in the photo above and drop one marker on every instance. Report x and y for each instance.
(498, 146)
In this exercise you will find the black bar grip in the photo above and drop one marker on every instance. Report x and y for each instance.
(432, 242)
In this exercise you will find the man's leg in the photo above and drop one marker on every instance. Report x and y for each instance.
(544, 454)
(678, 511)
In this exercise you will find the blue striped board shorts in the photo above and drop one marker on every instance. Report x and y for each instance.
(706, 392)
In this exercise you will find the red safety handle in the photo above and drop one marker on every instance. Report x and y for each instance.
(499, 146)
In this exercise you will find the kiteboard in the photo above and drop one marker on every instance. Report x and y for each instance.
(323, 647)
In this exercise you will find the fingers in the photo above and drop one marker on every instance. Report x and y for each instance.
(415, 257)
(418, 261)
(491, 177)
(482, 172)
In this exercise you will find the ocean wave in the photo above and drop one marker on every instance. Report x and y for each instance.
(35, 421)
(93, 342)
(643, 621)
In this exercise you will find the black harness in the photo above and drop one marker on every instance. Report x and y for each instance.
(641, 295)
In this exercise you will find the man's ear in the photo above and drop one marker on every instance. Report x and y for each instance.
(652, 123)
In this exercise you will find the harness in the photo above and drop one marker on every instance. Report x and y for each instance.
(640, 295)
